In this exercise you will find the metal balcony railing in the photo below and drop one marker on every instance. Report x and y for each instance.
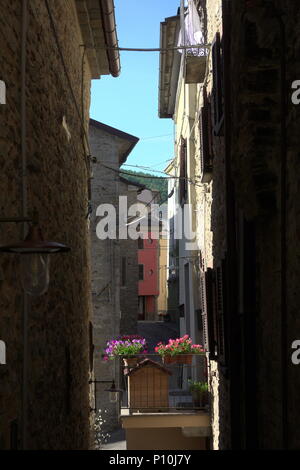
(152, 385)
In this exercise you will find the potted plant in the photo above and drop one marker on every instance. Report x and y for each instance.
(179, 350)
(199, 391)
(129, 347)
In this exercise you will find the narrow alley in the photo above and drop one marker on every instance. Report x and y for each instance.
(149, 225)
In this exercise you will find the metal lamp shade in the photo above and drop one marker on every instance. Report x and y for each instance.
(34, 243)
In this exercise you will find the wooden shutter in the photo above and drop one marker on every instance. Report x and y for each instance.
(217, 85)
(183, 172)
(220, 312)
(203, 310)
(205, 131)
(206, 294)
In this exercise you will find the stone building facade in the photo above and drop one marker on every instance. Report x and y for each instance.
(242, 156)
(114, 262)
(45, 393)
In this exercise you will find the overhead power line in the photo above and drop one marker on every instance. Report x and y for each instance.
(155, 137)
(148, 168)
(189, 180)
(151, 49)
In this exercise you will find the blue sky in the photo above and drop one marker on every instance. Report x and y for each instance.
(130, 102)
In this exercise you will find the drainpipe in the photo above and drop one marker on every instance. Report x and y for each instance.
(110, 33)
(24, 214)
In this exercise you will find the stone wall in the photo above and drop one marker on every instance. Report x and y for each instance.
(265, 40)
(114, 305)
(211, 224)
(292, 230)
(129, 290)
(263, 321)
(57, 184)
(105, 270)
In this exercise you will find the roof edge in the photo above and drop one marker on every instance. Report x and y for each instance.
(117, 133)
(111, 38)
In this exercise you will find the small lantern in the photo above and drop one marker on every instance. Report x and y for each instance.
(113, 392)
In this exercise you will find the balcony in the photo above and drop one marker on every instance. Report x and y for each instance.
(159, 400)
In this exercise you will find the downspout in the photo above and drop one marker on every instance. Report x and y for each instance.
(24, 214)
(110, 33)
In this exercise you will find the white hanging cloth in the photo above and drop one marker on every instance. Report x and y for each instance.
(193, 31)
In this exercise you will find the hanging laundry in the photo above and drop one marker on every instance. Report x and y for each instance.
(192, 31)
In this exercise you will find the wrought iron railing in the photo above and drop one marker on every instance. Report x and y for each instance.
(154, 385)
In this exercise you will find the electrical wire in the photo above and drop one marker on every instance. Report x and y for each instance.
(189, 180)
(144, 168)
(155, 137)
(151, 49)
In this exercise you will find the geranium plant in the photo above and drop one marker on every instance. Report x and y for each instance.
(126, 346)
(177, 346)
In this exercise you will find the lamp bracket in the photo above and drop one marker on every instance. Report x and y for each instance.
(15, 219)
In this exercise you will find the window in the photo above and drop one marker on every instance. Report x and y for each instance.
(141, 272)
(217, 84)
(14, 432)
(123, 271)
(183, 193)
(141, 308)
(181, 311)
(91, 346)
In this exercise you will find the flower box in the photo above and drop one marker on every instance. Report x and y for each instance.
(178, 359)
(125, 346)
(180, 350)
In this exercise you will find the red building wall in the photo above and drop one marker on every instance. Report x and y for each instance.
(148, 288)
(148, 257)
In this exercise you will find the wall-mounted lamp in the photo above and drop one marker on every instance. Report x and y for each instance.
(113, 392)
(35, 257)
